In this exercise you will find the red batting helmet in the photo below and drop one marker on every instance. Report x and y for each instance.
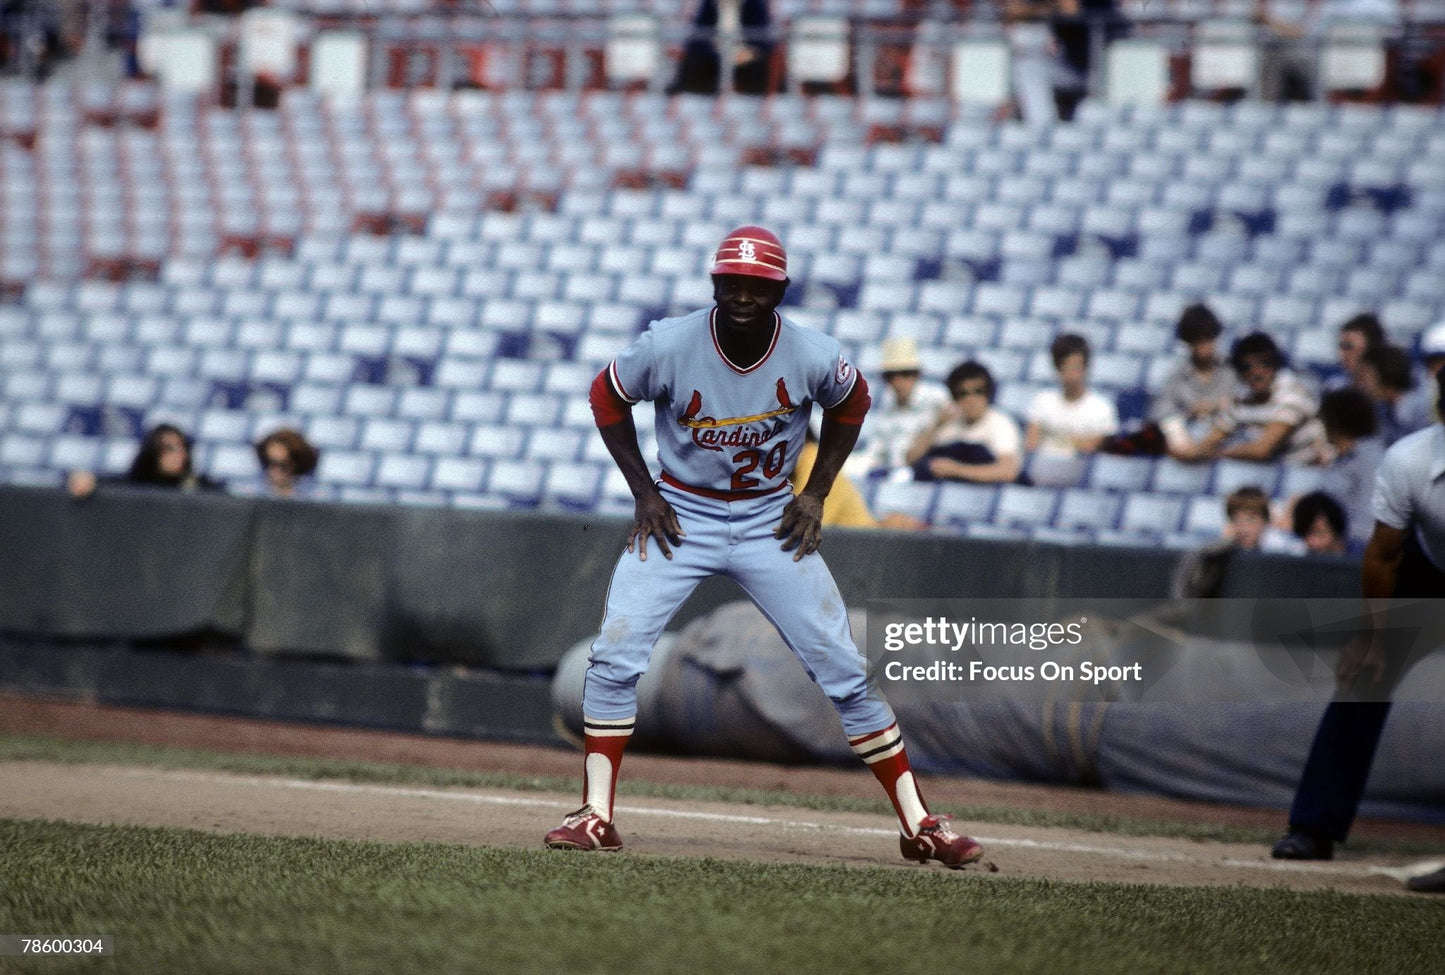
(753, 251)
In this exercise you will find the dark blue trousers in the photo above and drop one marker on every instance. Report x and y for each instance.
(1338, 766)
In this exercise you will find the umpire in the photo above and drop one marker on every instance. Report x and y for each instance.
(1405, 558)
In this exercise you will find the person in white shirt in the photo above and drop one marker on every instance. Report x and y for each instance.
(909, 405)
(1070, 422)
(968, 440)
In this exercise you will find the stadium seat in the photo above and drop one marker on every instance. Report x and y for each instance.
(386, 435)
(1024, 506)
(1176, 477)
(518, 482)
(1229, 475)
(1204, 517)
(1084, 508)
(1111, 472)
(908, 497)
(345, 468)
(402, 471)
(572, 485)
(1144, 511)
(960, 504)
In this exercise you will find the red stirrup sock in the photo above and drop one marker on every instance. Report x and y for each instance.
(883, 752)
(605, 742)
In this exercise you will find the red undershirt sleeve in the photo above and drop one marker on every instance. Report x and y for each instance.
(854, 406)
(608, 406)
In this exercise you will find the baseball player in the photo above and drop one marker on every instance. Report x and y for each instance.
(732, 388)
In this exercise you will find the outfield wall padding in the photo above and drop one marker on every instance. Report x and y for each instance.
(502, 590)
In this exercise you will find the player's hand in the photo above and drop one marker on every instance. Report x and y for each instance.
(654, 518)
(1363, 653)
(802, 526)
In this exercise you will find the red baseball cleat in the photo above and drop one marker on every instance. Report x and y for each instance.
(936, 840)
(584, 830)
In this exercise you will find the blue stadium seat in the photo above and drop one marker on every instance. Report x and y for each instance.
(402, 471)
(387, 435)
(422, 403)
(1111, 472)
(466, 474)
(534, 409)
(497, 441)
(183, 392)
(361, 399)
(554, 444)
(997, 298)
(141, 392)
(908, 498)
(1144, 511)
(346, 467)
(574, 486)
(959, 504)
(462, 373)
(1176, 477)
(234, 463)
(1204, 517)
(478, 405)
(318, 398)
(223, 426)
(22, 450)
(1021, 505)
(39, 417)
(1084, 508)
(75, 387)
(70, 452)
(518, 482)
(441, 438)
(1229, 475)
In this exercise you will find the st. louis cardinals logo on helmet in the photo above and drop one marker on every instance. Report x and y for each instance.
(712, 433)
(754, 251)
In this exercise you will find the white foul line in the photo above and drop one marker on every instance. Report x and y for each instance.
(410, 792)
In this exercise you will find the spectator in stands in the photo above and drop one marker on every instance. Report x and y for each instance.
(1068, 423)
(287, 461)
(1357, 336)
(34, 37)
(1272, 416)
(1432, 360)
(1093, 25)
(1320, 522)
(1385, 376)
(908, 405)
(1353, 455)
(1040, 68)
(1200, 387)
(1289, 59)
(845, 506)
(969, 439)
(164, 460)
(746, 23)
(1248, 527)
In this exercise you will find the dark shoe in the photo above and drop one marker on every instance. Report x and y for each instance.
(1430, 883)
(936, 840)
(584, 830)
(1304, 846)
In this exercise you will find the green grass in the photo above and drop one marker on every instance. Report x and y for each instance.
(185, 901)
(51, 749)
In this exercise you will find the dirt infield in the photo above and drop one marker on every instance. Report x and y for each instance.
(208, 800)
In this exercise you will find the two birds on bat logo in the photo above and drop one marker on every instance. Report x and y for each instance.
(712, 433)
